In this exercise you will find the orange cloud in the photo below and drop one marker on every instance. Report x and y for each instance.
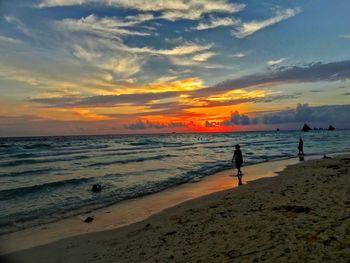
(161, 85)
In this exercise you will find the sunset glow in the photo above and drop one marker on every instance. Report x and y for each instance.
(177, 66)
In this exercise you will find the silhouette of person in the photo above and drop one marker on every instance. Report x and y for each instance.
(238, 158)
(301, 147)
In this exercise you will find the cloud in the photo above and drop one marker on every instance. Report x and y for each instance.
(184, 54)
(190, 92)
(18, 23)
(322, 115)
(239, 119)
(88, 58)
(107, 27)
(100, 43)
(214, 22)
(211, 124)
(275, 98)
(186, 48)
(140, 18)
(248, 28)
(196, 9)
(141, 125)
(346, 36)
(241, 54)
(122, 65)
(275, 62)
(170, 10)
(203, 56)
(42, 81)
(194, 103)
(9, 39)
(104, 101)
(332, 71)
(85, 54)
(235, 119)
(151, 96)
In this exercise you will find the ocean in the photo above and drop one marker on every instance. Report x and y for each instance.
(44, 179)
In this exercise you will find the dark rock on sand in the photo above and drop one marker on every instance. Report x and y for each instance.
(293, 208)
(89, 219)
(171, 233)
(96, 188)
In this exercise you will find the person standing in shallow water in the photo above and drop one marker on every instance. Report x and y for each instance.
(301, 147)
(238, 158)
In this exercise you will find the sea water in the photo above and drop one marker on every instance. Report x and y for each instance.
(43, 179)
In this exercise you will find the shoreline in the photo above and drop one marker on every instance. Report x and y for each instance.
(138, 209)
(301, 215)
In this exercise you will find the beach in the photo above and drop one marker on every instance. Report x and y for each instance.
(302, 215)
(174, 131)
(48, 179)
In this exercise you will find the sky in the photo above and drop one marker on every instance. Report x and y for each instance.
(137, 66)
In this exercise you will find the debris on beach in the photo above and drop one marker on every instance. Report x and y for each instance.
(96, 188)
(326, 157)
(89, 219)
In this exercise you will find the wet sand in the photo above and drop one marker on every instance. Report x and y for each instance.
(135, 210)
(301, 215)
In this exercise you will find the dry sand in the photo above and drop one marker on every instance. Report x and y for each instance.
(303, 215)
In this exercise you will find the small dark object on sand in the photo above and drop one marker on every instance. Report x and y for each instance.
(89, 219)
(293, 208)
(171, 233)
(96, 188)
(301, 158)
(326, 157)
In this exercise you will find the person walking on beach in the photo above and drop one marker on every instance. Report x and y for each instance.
(238, 158)
(301, 147)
